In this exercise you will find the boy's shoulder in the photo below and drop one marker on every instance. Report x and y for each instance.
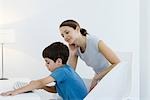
(62, 72)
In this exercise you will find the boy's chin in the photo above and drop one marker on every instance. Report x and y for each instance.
(50, 70)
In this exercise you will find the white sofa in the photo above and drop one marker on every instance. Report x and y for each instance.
(116, 85)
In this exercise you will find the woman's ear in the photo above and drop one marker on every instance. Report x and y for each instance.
(78, 29)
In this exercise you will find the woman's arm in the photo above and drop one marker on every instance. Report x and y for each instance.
(110, 56)
(73, 58)
(37, 84)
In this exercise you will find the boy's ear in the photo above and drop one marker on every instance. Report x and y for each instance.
(59, 60)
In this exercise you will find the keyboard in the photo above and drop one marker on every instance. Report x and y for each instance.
(20, 84)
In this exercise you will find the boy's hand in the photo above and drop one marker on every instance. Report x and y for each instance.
(9, 93)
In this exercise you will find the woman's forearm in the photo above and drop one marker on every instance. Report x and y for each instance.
(102, 73)
(72, 61)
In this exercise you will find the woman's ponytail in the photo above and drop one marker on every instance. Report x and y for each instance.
(83, 31)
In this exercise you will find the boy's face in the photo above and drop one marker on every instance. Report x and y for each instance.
(50, 64)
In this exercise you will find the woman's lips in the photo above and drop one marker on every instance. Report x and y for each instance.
(67, 40)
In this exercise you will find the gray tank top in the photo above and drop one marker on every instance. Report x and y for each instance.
(91, 56)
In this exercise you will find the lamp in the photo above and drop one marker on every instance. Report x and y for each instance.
(6, 36)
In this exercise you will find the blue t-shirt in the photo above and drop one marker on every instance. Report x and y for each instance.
(69, 85)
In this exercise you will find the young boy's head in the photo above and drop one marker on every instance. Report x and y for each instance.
(55, 55)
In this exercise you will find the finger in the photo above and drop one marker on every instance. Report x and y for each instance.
(90, 89)
(7, 94)
(4, 94)
(12, 94)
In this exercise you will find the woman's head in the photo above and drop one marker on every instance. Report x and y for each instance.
(70, 30)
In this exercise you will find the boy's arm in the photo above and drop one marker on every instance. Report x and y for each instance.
(51, 89)
(37, 84)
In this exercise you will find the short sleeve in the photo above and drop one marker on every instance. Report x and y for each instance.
(59, 74)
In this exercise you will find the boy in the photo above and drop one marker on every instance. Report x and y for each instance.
(68, 83)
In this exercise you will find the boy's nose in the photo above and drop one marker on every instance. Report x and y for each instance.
(65, 35)
(46, 65)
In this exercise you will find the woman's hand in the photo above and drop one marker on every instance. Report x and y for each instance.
(93, 84)
(9, 93)
(96, 79)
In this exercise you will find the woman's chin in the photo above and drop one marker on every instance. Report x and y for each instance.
(70, 43)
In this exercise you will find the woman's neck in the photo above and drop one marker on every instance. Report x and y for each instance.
(81, 42)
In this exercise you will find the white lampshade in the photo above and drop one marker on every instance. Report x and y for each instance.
(7, 36)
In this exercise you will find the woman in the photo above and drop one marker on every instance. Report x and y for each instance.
(94, 52)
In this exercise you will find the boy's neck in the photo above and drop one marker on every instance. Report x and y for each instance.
(60, 65)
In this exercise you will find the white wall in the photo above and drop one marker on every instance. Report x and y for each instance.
(144, 49)
(36, 25)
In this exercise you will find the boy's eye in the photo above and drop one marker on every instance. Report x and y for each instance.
(47, 62)
(62, 35)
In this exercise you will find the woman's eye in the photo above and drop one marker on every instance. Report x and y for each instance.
(67, 32)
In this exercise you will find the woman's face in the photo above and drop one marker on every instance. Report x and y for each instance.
(69, 34)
